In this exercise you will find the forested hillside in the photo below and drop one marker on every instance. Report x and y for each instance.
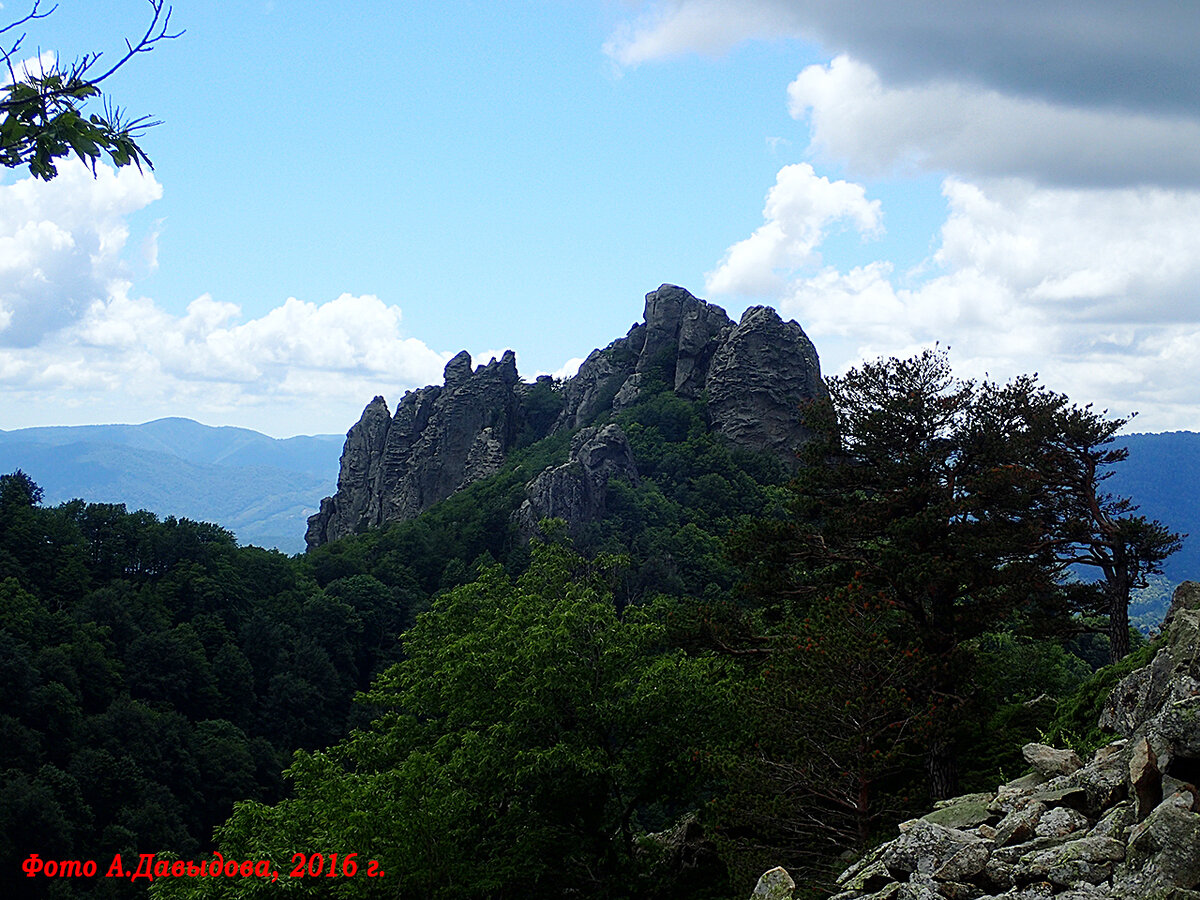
(719, 675)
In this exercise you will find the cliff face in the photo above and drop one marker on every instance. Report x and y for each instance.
(755, 374)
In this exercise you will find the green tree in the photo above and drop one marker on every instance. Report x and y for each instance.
(832, 735)
(1095, 528)
(42, 114)
(926, 489)
(520, 747)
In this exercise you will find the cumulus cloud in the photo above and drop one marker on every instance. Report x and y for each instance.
(800, 209)
(1065, 135)
(75, 339)
(697, 26)
(954, 127)
(61, 244)
(1095, 53)
(300, 367)
(1092, 288)
(1063, 92)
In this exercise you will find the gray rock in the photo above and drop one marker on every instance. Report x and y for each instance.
(922, 887)
(1115, 821)
(964, 798)
(1046, 845)
(866, 879)
(1144, 778)
(348, 510)
(440, 440)
(1088, 859)
(1104, 781)
(775, 884)
(943, 853)
(1049, 762)
(577, 490)
(1016, 793)
(595, 386)
(757, 381)
(966, 814)
(1060, 822)
(1173, 675)
(1166, 846)
(457, 370)
(445, 437)
(1073, 796)
(1020, 825)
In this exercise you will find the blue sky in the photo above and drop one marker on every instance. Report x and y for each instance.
(342, 201)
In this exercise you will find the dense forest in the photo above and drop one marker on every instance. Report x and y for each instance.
(736, 668)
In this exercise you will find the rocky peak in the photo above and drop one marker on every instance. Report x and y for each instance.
(440, 439)
(458, 370)
(755, 374)
(758, 377)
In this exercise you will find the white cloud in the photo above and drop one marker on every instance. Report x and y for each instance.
(566, 370)
(1065, 134)
(61, 244)
(1094, 289)
(704, 26)
(77, 344)
(301, 367)
(955, 127)
(33, 67)
(799, 211)
(1104, 54)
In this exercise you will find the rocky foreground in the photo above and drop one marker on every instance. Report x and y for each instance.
(1124, 825)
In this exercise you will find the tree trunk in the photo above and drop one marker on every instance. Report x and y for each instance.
(1118, 621)
(863, 812)
(941, 767)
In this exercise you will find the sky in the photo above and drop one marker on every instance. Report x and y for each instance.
(343, 197)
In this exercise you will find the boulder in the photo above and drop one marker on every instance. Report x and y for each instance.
(1049, 762)
(577, 490)
(775, 884)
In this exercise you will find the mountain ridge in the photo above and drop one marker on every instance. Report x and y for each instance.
(753, 375)
(261, 488)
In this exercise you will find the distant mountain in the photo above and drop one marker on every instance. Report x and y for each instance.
(1162, 475)
(261, 488)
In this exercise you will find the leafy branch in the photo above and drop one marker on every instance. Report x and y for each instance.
(42, 111)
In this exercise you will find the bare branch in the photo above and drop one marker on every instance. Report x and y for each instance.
(33, 14)
(154, 33)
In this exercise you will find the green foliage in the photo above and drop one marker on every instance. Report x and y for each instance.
(413, 556)
(831, 727)
(1015, 686)
(43, 118)
(527, 736)
(780, 663)
(693, 490)
(1076, 723)
(153, 673)
(541, 404)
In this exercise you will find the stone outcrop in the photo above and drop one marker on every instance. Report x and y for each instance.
(755, 375)
(440, 439)
(1125, 825)
(757, 379)
(577, 490)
